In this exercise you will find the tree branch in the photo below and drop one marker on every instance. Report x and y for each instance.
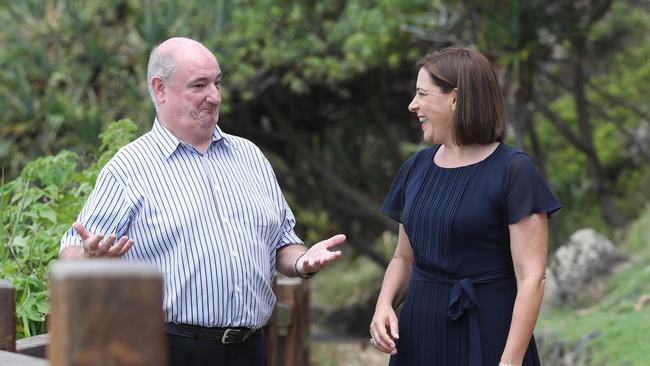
(557, 121)
(630, 138)
(365, 207)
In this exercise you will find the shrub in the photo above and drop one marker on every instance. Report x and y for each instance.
(35, 210)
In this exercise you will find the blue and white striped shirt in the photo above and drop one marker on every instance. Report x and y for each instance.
(210, 223)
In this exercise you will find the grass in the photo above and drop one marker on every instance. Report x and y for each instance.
(624, 331)
(350, 353)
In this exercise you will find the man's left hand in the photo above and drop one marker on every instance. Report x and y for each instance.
(319, 255)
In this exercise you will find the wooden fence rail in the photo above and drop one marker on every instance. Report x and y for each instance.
(110, 312)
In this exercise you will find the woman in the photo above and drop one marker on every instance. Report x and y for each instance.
(471, 251)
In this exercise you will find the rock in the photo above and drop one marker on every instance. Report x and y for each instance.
(578, 269)
(558, 352)
(638, 151)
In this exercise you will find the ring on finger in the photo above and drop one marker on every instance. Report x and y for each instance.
(372, 341)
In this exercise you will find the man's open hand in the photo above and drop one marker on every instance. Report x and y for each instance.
(95, 245)
(320, 255)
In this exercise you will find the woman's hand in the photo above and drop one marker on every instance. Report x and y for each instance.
(384, 330)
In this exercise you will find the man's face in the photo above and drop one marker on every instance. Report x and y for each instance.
(192, 100)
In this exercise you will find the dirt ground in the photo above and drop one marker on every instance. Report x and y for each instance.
(352, 352)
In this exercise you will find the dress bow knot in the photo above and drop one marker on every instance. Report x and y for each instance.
(462, 298)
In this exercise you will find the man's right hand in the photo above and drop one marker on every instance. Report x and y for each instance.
(96, 246)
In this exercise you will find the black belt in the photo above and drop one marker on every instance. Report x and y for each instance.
(219, 335)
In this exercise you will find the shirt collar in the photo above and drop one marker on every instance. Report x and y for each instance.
(168, 143)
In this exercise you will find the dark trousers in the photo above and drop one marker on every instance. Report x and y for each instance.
(185, 351)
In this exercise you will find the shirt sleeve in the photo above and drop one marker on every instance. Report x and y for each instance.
(106, 211)
(526, 191)
(394, 202)
(287, 234)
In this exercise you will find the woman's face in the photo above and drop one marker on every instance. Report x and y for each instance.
(434, 109)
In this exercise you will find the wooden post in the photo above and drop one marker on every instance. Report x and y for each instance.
(271, 336)
(290, 324)
(106, 312)
(35, 346)
(7, 316)
(15, 359)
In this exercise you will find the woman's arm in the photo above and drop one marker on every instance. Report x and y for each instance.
(384, 328)
(529, 246)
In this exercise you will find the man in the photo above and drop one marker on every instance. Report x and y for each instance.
(205, 208)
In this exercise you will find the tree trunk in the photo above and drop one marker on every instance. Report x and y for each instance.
(611, 214)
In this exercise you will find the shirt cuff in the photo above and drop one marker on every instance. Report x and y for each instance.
(290, 237)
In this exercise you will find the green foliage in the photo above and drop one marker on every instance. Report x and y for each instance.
(633, 188)
(305, 43)
(36, 209)
(116, 135)
(316, 223)
(622, 317)
(83, 67)
(349, 281)
(625, 331)
(638, 235)
(353, 279)
(570, 181)
(339, 73)
(86, 63)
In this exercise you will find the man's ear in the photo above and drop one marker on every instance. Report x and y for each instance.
(159, 89)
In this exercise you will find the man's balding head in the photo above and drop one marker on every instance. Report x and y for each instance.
(184, 81)
(163, 60)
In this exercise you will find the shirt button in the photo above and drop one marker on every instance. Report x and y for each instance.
(237, 289)
(224, 219)
(234, 254)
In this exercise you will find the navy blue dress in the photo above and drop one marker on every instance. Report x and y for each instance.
(458, 307)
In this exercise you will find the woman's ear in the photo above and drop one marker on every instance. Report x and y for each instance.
(453, 95)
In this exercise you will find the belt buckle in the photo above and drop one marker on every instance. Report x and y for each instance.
(226, 333)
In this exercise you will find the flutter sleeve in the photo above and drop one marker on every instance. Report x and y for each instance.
(526, 191)
(394, 202)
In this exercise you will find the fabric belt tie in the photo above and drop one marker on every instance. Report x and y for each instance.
(218, 335)
(464, 300)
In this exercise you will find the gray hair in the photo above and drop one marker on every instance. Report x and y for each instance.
(161, 64)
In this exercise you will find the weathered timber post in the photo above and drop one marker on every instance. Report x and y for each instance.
(8, 330)
(15, 359)
(33, 346)
(106, 312)
(7, 316)
(270, 334)
(289, 326)
(270, 340)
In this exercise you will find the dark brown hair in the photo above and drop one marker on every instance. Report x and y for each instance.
(479, 116)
